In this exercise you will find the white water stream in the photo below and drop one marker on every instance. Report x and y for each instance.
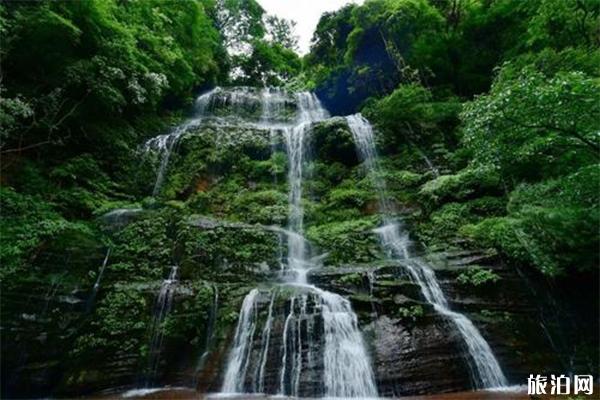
(96, 287)
(162, 308)
(347, 371)
(164, 144)
(347, 368)
(395, 239)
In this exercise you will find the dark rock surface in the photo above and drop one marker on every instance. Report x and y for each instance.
(423, 353)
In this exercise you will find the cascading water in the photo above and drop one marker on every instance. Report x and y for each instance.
(371, 279)
(162, 308)
(273, 102)
(346, 366)
(237, 365)
(348, 370)
(164, 144)
(94, 293)
(265, 340)
(396, 241)
(210, 329)
(295, 140)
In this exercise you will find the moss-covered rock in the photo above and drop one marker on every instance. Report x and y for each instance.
(463, 185)
(347, 241)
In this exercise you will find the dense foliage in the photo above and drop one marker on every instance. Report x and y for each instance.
(84, 83)
(450, 45)
(516, 165)
(487, 117)
(68, 64)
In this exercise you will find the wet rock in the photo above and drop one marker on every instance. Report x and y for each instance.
(120, 217)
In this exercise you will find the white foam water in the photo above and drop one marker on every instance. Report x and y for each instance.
(237, 365)
(395, 239)
(347, 368)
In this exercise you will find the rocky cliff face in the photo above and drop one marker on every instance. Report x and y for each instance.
(217, 218)
(415, 350)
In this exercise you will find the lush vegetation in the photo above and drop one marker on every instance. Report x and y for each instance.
(500, 96)
(84, 83)
(487, 115)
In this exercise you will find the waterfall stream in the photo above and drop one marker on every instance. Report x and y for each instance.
(237, 365)
(94, 293)
(292, 305)
(346, 366)
(164, 144)
(162, 308)
(395, 240)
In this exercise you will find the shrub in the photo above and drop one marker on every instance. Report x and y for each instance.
(26, 223)
(477, 276)
(463, 185)
(552, 225)
(347, 241)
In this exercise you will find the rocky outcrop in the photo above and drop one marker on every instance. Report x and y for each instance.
(415, 350)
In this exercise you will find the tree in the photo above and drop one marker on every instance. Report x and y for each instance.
(382, 40)
(269, 64)
(411, 115)
(561, 24)
(239, 22)
(532, 127)
(281, 32)
(98, 58)
(551, 225)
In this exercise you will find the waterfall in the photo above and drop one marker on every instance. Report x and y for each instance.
(210, 329)
(92, 297)
(102, 268)
(371, 279)
(266, 338)
(237, 365)
(364, 139)
(120, 216)
(284, 360)
(395, 240)
(164, 144)
(347, 371)
(294, 140)
(347, 368)
(162, 308)
(274, 101)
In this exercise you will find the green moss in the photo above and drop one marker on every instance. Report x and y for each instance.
(145, 246)
(361, 298)
(412, 313)
(190, 315)
(444, 224)
(496, 316)
(347, 241)
(334, 143)
(110, 331)
(348, 197)
(269, 207)
(403, 179)
(477, 276)
(351, 279)
(206, 252)
(463, 185)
